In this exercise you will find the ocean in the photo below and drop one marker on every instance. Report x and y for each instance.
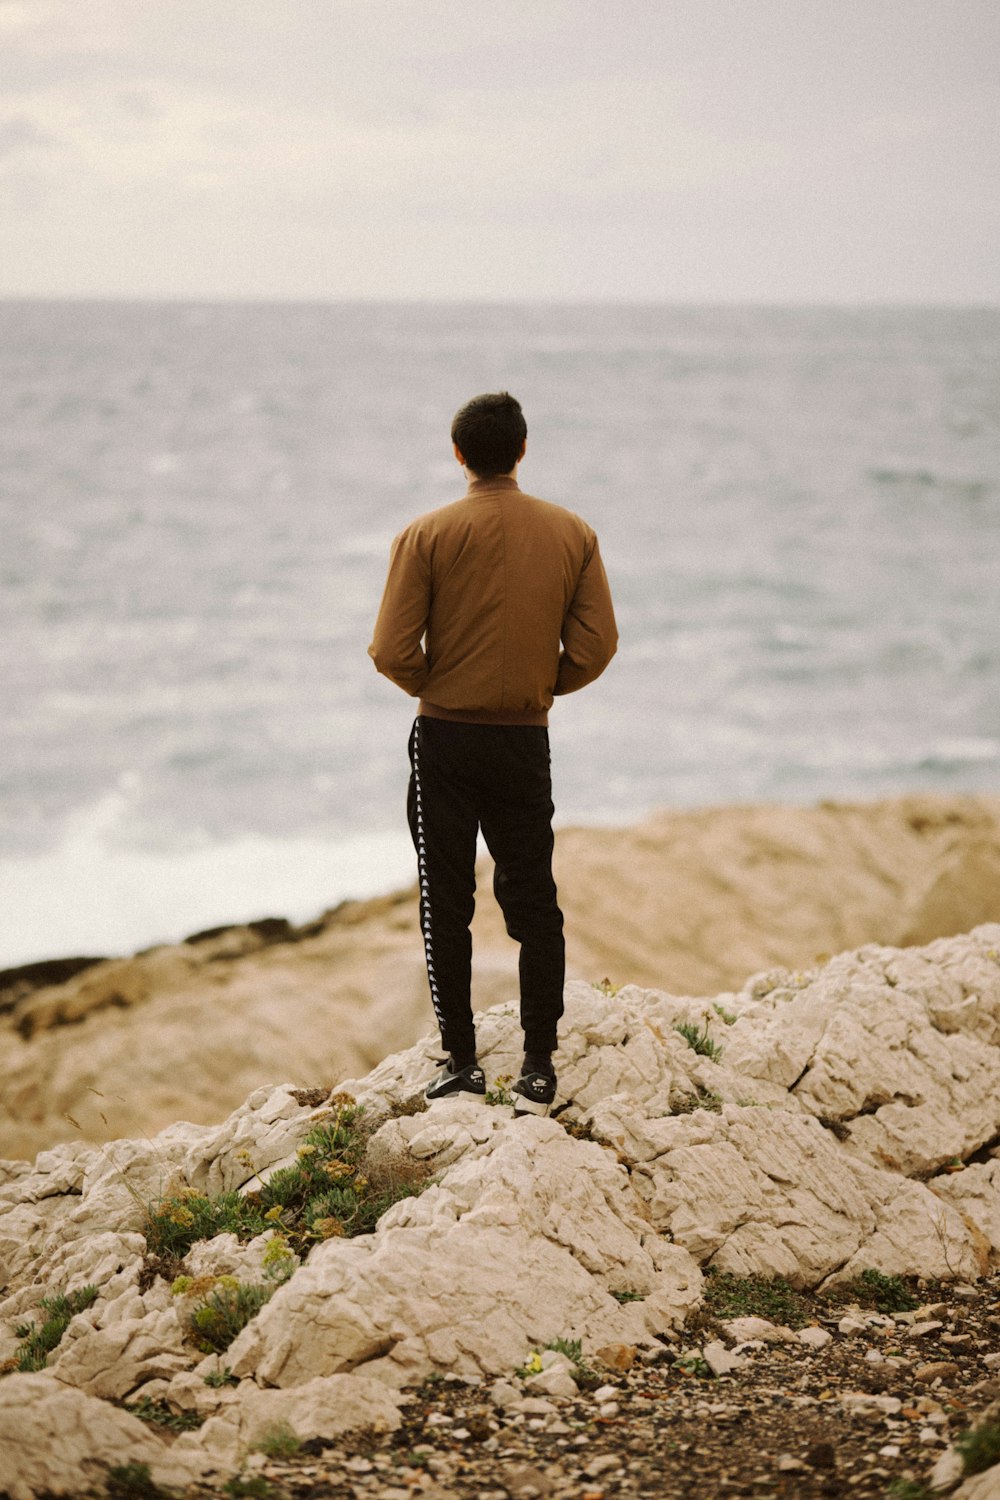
(799, 510)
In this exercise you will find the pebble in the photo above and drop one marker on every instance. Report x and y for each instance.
(921, 1330)
(602, 1464)
(719, 1360)
(814, 1338)
(939, 1369)
(866, 1401)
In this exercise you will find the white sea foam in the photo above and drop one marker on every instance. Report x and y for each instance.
(89, 897)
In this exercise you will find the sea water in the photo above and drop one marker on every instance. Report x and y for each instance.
(799, 511)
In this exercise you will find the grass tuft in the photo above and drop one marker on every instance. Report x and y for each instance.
(979, 1448)
(885, 1294)
(279, 1441)
(37, 1343)
(699, 1039)
(729, 1296)
(132, 1482)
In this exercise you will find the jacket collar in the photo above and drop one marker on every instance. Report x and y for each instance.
(501, 482)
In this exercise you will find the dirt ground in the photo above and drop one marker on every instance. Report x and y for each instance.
(867, 1414)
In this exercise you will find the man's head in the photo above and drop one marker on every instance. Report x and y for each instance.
(489, 434)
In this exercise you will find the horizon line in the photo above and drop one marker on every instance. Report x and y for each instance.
(706, 303)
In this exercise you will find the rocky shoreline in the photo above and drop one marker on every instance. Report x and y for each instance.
(313, 1281)
(690, 902)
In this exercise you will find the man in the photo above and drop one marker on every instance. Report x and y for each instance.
(493, 605)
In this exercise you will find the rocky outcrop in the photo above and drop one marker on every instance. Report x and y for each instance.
(689, 902)
(813, 1124)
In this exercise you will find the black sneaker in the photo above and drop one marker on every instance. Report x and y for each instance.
(534, 1093)
(452, 1080)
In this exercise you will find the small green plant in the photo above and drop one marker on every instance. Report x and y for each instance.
(693, 1364)
(585, 1377)
(699, 1040)
(254, 1488)
(686, 1104)
(886, 1294)
(132, 1482)
(729, 1296)
(979, 1447)
(37, 1343)
(220, 1308)
(500, 1092)
(324, 1194)
(159, 1414)
(219, 1378)
(607, 988)
(724, 1014)
(279, 1441)
(909, 1489)
(628, 1296)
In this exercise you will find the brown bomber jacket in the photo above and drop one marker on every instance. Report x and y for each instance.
(508, 595)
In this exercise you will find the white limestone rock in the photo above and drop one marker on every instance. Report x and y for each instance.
(985, 1486)
(975, 1194)
(519, 1242)
(56, 1440)
(116, 1360)
(319, 1408)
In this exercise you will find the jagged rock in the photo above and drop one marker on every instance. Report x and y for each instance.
(984, 1486)
(688, 901)
(975, 1194)
(520, 1241)
(55, 1440)
(115, 1360)
(319, 1408)
(771, 1156)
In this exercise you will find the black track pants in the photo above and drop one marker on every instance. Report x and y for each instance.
(495, 777)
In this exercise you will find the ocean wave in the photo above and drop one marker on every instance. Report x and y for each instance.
(89, 896)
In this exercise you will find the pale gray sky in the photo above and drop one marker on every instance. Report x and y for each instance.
(675, 150)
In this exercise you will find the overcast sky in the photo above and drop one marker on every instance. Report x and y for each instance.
(669, 150)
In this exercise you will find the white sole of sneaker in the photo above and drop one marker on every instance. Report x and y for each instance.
(524, 1106)
(457, 1094)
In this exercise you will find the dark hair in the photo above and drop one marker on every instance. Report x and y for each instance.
(489, 432)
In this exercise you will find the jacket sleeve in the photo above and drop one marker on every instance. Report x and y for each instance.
(589, 633)
(402, 617)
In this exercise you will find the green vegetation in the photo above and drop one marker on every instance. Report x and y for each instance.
(37, 1343)
(221, 1307)
(279, 1441)
(324, 1195)
(159, 1414)
(979, 1447)
(686, 1104)
(699, 1040)
(500, 1092)
(724, 1014)
(219, 1378)
(693, 1364)
(586, 1378)
(607, 988)
(628, 1296)
(886, 1294)
(133, 1482)
(254, 1488)
(728, 1296)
